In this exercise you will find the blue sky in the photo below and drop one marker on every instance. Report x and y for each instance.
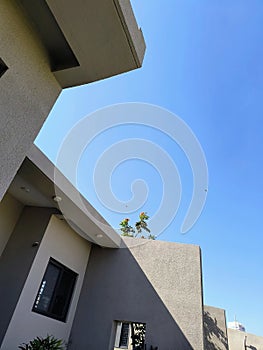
(204, 64)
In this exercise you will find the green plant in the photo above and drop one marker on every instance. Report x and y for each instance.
(138, 335)
(129, 231)
(126, 229)
(39, 343)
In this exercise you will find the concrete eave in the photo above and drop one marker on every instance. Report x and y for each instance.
(87, 40)
(43, 181)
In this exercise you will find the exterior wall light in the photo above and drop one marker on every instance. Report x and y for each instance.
(57, 199)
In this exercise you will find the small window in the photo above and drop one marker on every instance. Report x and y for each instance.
(122, 335)
(130, 335)
(55, 292)
(3, 67)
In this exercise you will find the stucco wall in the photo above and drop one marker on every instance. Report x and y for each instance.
(215, 328)
(63, 244)
(10, 209)
(17, 258)
(157, 283)
(237, 340)
(28, 89)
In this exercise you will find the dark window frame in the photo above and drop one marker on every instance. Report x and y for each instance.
(63, 271)
(3, 67)
(124, 335)
(134, 335)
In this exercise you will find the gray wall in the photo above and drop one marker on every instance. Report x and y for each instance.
(155, 282)
(17, 259)
(66, 246)
(10, 210)
(215, 328)
(237, 340)
(28, 89)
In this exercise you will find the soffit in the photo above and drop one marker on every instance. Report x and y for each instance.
(92, 40)
(34, 185)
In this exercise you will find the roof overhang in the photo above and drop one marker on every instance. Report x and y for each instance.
(87, 40)
(38, 181)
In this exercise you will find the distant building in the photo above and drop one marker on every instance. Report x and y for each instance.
(236, 325)
(215, 331)
(243, 341)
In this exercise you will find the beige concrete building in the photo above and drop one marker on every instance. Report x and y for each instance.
(63, 270)
(47, 46)
(215, 330)
(243, 340)
(219, 337)
(70, 275)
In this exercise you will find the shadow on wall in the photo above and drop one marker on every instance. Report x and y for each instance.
(247, 347)
(116, 288)
(215, 337)
(250, 347)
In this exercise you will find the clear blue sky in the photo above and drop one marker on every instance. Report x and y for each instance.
(204, 62)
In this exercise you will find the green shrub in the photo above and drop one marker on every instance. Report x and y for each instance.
(39, 343)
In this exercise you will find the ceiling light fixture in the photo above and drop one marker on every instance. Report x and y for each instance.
(57, 199)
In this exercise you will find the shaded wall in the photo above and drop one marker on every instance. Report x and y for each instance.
(152, 282)
(28, 89)
(215, 330)
(10, 210)
(67, 247)
(17, 259)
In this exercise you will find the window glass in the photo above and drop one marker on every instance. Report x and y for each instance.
(55, 292)
(124, 337)
(63, 293)
(47, 288)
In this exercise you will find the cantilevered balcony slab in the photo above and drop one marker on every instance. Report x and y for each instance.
(38, 183)
(87, 40)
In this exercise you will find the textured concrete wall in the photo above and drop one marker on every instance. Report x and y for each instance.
(64, 245)
(28, 90)
(238, 340)
(157, 283)
(10, 210)
(17, 259)
(215, 331)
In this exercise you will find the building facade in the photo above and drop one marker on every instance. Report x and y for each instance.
(63, 270)
(243, 340)
(64, 274)
(47, 46)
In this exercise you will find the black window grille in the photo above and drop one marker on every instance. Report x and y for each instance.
(124, 337)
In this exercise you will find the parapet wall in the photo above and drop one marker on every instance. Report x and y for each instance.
(153, 282)
(239, 340)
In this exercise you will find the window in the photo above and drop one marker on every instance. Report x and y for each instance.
(130, 335)
(122, 335)
(3, 67)
(55, 292)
